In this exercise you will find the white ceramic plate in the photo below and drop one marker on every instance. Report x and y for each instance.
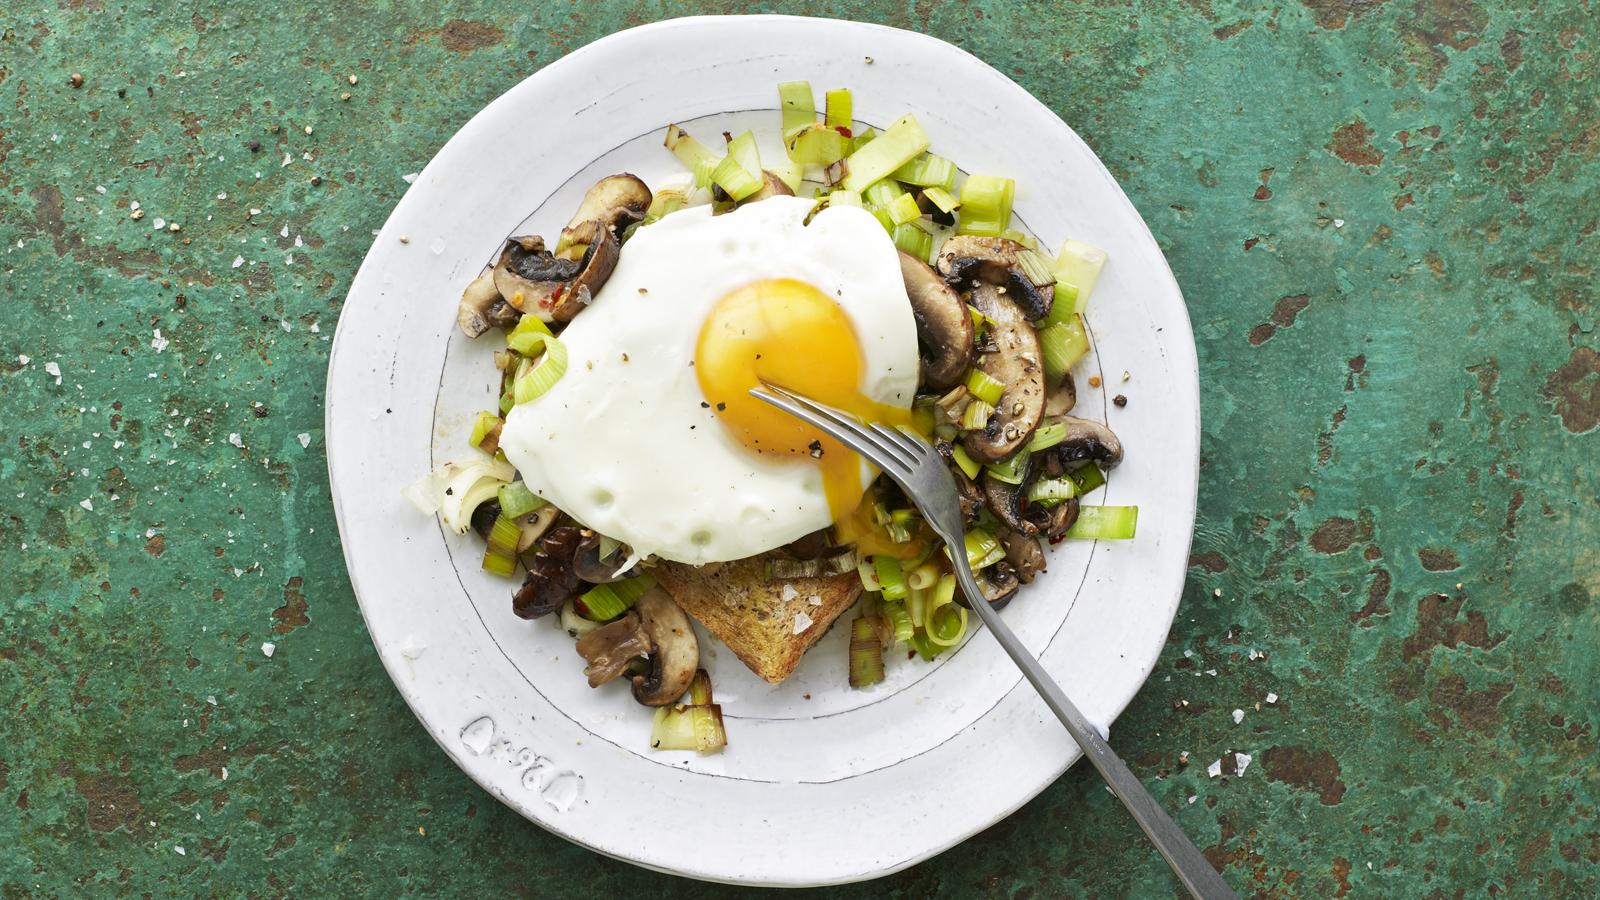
(820, 784)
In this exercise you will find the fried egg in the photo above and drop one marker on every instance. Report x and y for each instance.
(651, 436)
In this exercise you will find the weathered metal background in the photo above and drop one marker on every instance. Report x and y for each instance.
(1383, 215)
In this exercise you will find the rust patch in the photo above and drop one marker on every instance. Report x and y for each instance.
(293, 613)
(1341, 874)
(1262, 333)
(1211, 562)
(1335, 14)
(1438, 559)
(1353, 144)
(1574, 391)
(1314, 770)
(1511, 50)
(1335, 535)
(156, 545)
(1287, 308)
(1476, 710)
(1228, 31)
(1377, 593)
(1438, 626)
(112, 802)
(461, 36)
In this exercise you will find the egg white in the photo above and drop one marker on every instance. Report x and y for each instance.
(623, 442)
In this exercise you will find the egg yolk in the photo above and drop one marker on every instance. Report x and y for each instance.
(785, 332)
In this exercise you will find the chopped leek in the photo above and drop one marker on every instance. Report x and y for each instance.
(1034, 266)
(702, 172)
(533, 381)
(500, 554)
(866, 653)
(799, 106)
(1046, 436)
(817, 145)
(917, 606)
(467, 486)
(608, 601)
(913, 240)
(899, 620)
(969, 466)
(839, 111)
(927, 170)
(688, 728)
(737, 181)
(1105, 523)
(1064, 307)
(882, 193)
(923, 577)
(922, 416)
(1062, 345)
(1087, 478)
(1010, 470)
(891, 581)
(977, 415)
(982, 548)
(743, 149)
(791, 174)
(868, 571)
(902, 526)
(486, 432)
(1051, 491)
(517, 501)
(529, 335)
(844, 198)
(689, 151)
(942, 198)
(946, 621)
(666, 200)
(889, 151)
(986, 205)
(574, 624)
(984, 386)
(1026, 240)
(862, 139)
(925, 648)
(904, 209)
(1079, 265)
(700, 688)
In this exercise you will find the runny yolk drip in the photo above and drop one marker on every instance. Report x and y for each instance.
(787, 333)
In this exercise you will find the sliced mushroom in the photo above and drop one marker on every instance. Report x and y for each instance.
(967, 259)
(811, 546)
(555, 289)
(1007, 500)
(999, 584)
(534, 525)
(550, 581)
(483, 517)
(968, 495)
(482, 307)
(771, 186)
(615, 201)
(1089, 440)
(1062, 398)
(610, 648)
(1024, 554)
(594, 568)
(1014, 363)
(1053, 521)
(944, 327)
(675, 654)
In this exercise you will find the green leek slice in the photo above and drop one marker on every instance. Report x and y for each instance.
(1105, 523)
(889, 151)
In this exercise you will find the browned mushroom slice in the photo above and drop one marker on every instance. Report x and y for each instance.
(482, 307)
(1089, 440)
(1015, 363)
(597, 569)
(968, 259)
(944, 327)
(1053, 521)
(615, 201)
(1062, 398)
(999, 584)
(550, 581)
(610, 648)
(676, 652)
(1024, 554)
(969, 496)
(771, 186)
(555, 289)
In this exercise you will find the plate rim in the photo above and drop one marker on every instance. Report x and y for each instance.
(1186, 369)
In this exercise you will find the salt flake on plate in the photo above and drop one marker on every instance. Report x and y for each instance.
(268, 649)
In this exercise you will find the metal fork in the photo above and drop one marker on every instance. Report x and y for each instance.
(922, 474)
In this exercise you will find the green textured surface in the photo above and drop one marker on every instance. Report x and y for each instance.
(1383, 215)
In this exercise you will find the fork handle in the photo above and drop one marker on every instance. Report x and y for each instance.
(1186, 861)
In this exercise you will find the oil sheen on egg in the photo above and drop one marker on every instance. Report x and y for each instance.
(651, 438)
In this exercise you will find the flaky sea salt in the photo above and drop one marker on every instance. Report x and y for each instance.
(1271, 697)
(1238, 716)
(235, 439)
(1241, 761)
(305, 439)
(159, 343)
(1214, 769)
(87, 503)
(268, 649)
(238, 261)
(789, 593)
(801, 622)
(51, 368)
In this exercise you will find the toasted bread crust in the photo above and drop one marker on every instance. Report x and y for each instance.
(736, 602)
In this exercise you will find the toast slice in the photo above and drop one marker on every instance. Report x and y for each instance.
(756, 616)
